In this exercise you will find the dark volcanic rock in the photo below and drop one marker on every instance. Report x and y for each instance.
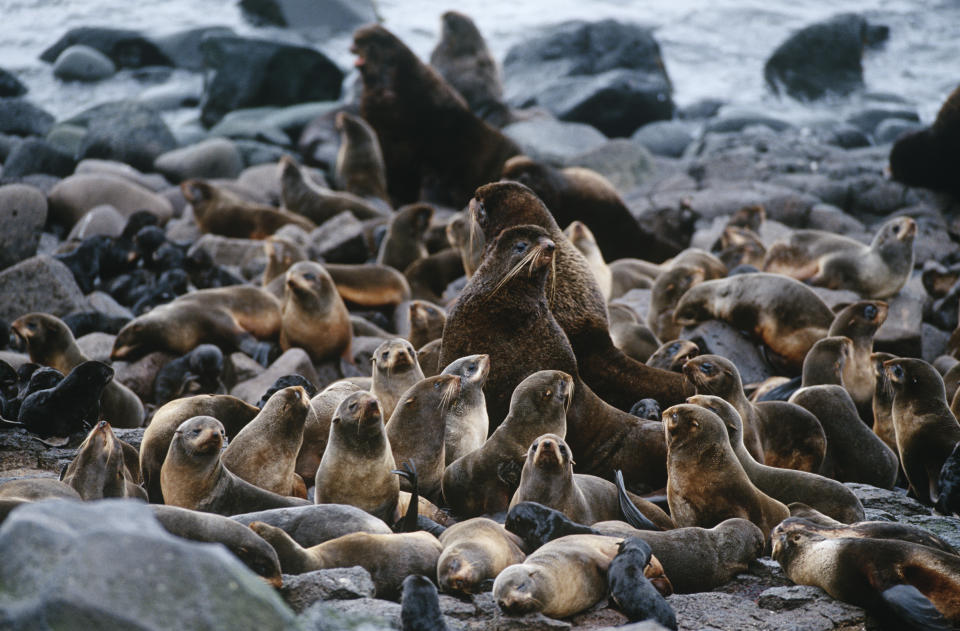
(823, 58)
(22, 118)
(127, 132)
(607, 74)
(82, 63)
(183, 47)
(10, 85)
(664, 138)
(126, 48)
(302, 590)
(33, 155)
(250, 72)
(319, 18)
(23, 212)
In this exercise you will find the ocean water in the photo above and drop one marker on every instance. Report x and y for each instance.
(711, 48)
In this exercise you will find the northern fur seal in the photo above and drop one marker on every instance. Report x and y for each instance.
(582, 239)
(860, 322)
(475, 551)
(631, 591)
(99, 469)
(403, 244)
(70, 406)
(395, 370)
(467, 422)
(426, 322)
(313, 316)
(220, 212)
(313, 203)
(359, 168)
(927, 158)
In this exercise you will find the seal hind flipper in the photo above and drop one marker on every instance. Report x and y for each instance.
(911, 610)
(410, 521)
(631, 513)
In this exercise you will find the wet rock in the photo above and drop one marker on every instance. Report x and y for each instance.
(300, 591)
(339, 240)
(23, 212)
(607, 74)
(10, 85)
(892, 128)
(293, 362)
(725, 612)
(230, 251)
(719, 338)
(378, 611)
(625, 163)
(33, 155)
(900, 334)
(552, 141)
(250, 72)
(702, 109)
(948, 528)
(293, 119)
(737, 122)
(324, 617)
(104, 220)
(22, 118)
(97, 346)
(61, 561)
(846, 136)
(214, 158)
(823, 58)
(23, 453)
(126, 48)
(105, 303)
(67, 138)
(664, 138)
(319, 19)
(529, 622)
(256, 153)
(167, 97)
(128, 132)
(894, 502)
(250, 124)
(867, 120)
(140, 375)
(39, 283)
(150, 181)
(647, 625)
(600, 615)
(72, 197)
(82, 63)
(183, 47)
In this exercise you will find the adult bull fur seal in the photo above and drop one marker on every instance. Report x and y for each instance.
(313, 316)
(192, 475)
(503, 312)
(223, 213)
(50, 342)
(475, 551)
(359, 168)
(575, 302)
(423, 125)
(927, 157)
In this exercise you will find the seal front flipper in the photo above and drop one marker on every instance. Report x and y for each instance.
(631, 513)
(409, 522)
(910, 609)
(262, 352)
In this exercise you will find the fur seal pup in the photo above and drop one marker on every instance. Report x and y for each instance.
(582, 239)
(706, 482)
(464, 61)
(576, 303)
(99, 469)
(631, 591)
(219, 212)
(403, 244)
(475, 551)
(878, 270)
(429, 358)
(359, 168)
(420, 605)
(911, 585)
(467, 422)
(423, 125)
(192, 475)
(854, 453)
(925, 428)
(560, 579)
(785, 485)
(357, 464)
(548, 478)
(246, 545)
(426, 322)
(860, 322)
(50, 342)
(198, 372)
(666, 292)
(503, 311)
(927, 158)
(313, 316)
(311, 202)
(389, 558)
(883, 402)
(483, 481)
(264, 452)
(430, 277)
(370, 286)
(636, 340)
(70, 406)
(775, 433)
(580, 194)
(395, 370)
(786, 315)
(673, 355)
(417, 428)
(234, 413)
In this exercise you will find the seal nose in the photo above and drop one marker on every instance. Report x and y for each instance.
(548, 246)
(372, 407)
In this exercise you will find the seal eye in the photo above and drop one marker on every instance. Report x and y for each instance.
(521, 247)
(481, 212)
(707, 368)
(353, 407)
(385, 355)
(897, 372)
(436, 386)
(310, 276)
(32, 326)
(870, 312)
(547, 393)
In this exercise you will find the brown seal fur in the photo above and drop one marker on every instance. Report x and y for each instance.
(775, 433)
(575, 302)
(826, 361)
(99, 469)
(31, 489)
(429, 277)
(313, 316)
(860, 322)
(925, 428)
(281, 254)
(465, 237)
(854, 453)
(630, 274)
(316, 430)
(426, 322)
(50, 342)
(928, 158)
(234, 413)
(357, 464)
(312, 203)
(482, 482)
(582, 239)
(707, 484)
(192, 475)
(883, 402)
(673, 355)
(560, 579)
(403, 244)
(829, 260)
(395, 370)
(579, 194)
(785, 485)
(233, 318)
(388, 558)
(503, 312)
(636, 340)
(666, 292)
(359, 168)
(264, 452)
(786, 315)
(430, 138)
(475, 551)
(898, 531)
(369, 286)
(548, 478)
(219, 212)
(429, 357)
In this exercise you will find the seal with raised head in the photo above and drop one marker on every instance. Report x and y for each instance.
(218, 211)
(99, 469)
(359, 168)
(582, 239)
(673, 355)
(316, 430)
(198, 372)
(395, 370)
(483, 481)
(666, 292)
(313, 316)
(309, 201)
(883, 402)
(357, 464)
(467, 422)
(70, 406)
(404, 242)
(426, 322)
(860, 322)
(475, 551)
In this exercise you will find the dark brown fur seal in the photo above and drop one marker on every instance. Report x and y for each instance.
(369, 286)
(925, 428)
(928, 158)
(403, 243)
(871, 530)
(577, 304)
(786, 315)
(395, 370)
(99, 469)
(475, 551)
(423, 125)
(359, 168)
(483, 482)
(192, 475)
(313, 316)
(666, 292)
(826, 361)
(312, 203)
(829, 260)
(636, 340)
(785, 485)
(429, 277)
(860, 322)
(219, 212)
(630, 274)
(707, 484)
(316, 431)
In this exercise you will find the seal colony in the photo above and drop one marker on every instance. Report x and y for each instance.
(442, 399)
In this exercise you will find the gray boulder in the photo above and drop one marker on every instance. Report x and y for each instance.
(214, 158)
(891, 129)
(312, 525)
(127, 132)
(339, 240)
(552, 141)
(607, 74)
(72, 197)
(40, 283)
(664, 138)
(294, 361)
(23, 212)
(183, 47)
(33, 155)
(10, 85)
(318, 18)
(83, 63)
(20, 117)
(126, 48)
(109, 564)
(300, 591)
